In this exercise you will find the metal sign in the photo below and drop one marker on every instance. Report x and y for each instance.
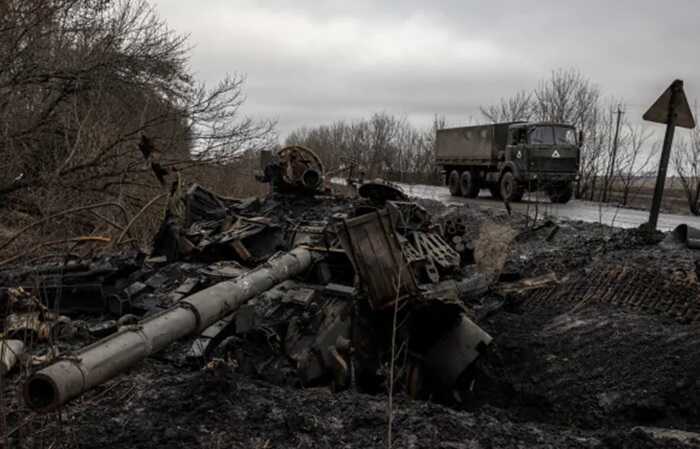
(671, 109)
(659, 111)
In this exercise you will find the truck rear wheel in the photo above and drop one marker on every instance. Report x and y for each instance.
(469, 184)
(511, 191)
(453, 183)
(560, 194)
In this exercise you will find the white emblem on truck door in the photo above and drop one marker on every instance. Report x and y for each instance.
(519, 154)
(555, 154)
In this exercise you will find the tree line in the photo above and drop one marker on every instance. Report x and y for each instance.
(381, 146)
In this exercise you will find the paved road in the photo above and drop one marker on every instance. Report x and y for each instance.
(573, 210)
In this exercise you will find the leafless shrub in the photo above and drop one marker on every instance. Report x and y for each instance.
(633, 160)
(519, 107)
(80, 82)
(686, 161)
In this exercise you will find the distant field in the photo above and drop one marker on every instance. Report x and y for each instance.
(642, 192)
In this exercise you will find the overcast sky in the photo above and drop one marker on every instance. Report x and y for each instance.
(313, 62)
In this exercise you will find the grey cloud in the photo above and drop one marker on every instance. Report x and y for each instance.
(311, 62)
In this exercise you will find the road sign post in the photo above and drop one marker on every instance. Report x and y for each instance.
(672, 109)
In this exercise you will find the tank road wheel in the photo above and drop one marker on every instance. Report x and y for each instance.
(469, 184)
(560, 193)
(453, 183)
(511, 191)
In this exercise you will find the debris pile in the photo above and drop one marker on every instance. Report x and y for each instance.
(370, 273)
(302, 304)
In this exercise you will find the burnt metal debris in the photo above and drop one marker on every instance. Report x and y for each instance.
(686, 235)
(334, 322)
(293, 169)
(375, 252)
(303, 289)
(10, 352)
(379, 192)
(312, 289)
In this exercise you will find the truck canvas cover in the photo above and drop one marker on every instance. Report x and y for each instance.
(478, 145)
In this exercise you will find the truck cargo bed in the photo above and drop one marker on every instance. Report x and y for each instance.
(473, 145)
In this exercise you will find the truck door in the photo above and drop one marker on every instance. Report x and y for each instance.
(517, 139)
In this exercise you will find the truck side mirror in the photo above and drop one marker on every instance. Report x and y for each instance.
(580, 138)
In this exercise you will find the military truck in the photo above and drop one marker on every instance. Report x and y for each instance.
(509, 159)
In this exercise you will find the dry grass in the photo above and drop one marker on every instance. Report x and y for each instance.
(236, 180)
(642, 191)
(492, 248)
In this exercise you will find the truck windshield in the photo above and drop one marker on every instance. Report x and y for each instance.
(552, 135)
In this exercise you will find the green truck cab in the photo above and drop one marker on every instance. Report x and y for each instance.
(510, 159)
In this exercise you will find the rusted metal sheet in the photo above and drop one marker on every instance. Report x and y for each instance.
(293, 169)
(40, 325)
(10, 352)
(376, 255)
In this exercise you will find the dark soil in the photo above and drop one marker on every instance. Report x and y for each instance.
(159, 405)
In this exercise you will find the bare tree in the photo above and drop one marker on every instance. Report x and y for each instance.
(82, 80)
(511, 109)
(566, 97)
(605, 151)
(593, 161)
(687, 164)
(569, 97)
(633, 159)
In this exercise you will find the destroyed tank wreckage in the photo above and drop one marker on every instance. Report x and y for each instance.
(382, 258)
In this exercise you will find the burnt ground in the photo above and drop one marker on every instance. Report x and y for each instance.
(607, 358)
(163, 405)
(594, 368)
(583, 378)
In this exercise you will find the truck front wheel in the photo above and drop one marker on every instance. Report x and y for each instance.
(453, 183)
(560, 194)
(469, 184)
(511, 191)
